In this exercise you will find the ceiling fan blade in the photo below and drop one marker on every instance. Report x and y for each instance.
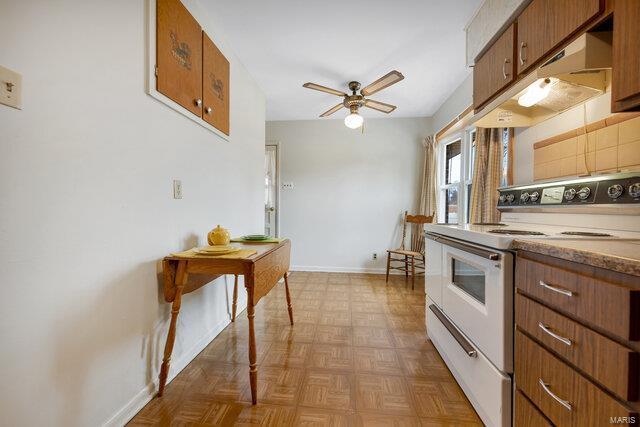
(332, 110)
(323, 89)
(380, 106)
(383, 82)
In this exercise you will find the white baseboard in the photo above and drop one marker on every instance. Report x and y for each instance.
(128, 411)
(341, 269)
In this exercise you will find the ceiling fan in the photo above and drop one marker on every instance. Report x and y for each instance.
(354, 101)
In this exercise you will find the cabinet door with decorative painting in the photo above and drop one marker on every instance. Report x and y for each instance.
(179, 55)
(215, 85)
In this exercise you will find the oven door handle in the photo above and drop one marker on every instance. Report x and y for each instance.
(466, 345)
(493, 256)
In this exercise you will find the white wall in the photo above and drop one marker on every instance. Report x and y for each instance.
(350, 189)
(459, 100)
(591, 111)
(86, 211)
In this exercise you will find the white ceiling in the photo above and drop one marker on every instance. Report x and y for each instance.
(285, 43)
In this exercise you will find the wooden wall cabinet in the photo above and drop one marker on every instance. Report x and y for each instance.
(495, 69)
(190, 70)
(179, 55)
(625, 81)
(215, 85)
(542, 27)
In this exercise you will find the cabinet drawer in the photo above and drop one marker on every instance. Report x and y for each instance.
(528, 415)
(612, 307)
(562, 394)
(611, 364)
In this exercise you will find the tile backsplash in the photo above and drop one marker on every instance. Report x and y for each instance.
(610, 145)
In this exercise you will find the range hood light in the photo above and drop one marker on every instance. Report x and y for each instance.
(535, 93)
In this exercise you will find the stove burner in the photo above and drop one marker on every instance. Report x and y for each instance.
(516, 232)
(497, 224)
(585, 233)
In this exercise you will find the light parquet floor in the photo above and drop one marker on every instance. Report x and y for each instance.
(356, 356)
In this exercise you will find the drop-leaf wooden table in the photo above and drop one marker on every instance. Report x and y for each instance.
(261, 272)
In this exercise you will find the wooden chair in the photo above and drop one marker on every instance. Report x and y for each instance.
(413, 257)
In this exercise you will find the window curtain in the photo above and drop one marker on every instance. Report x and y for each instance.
(486, 175)
(428, 199)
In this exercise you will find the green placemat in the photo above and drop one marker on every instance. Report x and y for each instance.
(243, 240)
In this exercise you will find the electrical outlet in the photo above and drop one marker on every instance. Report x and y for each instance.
(287, 185)
(10, 88)
(375, 255)
(177, 189)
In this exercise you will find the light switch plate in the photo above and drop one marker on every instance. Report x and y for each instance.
(10, 88)
(177, 189)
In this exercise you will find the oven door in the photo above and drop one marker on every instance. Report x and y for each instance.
(477, 295)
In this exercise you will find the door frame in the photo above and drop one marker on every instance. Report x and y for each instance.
(278, 204)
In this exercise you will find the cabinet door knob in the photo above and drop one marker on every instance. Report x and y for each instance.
(522, 58)
(198, 102)
(208, 110)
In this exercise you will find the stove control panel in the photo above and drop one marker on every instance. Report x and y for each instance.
(605, 190)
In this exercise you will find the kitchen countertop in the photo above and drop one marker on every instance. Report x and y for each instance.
(622, 256)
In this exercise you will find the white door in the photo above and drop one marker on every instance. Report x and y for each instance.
(271, 190)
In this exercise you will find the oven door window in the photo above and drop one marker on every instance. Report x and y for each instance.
(469, 279)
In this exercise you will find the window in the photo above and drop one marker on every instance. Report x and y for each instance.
(456, 172)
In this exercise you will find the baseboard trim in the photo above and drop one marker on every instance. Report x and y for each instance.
(144, 396)
(314, 268)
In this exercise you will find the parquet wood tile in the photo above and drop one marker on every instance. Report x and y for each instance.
(334, 335)
(377, 361)
(440, 400)
(326, 389)
(377, 320)
(377, 420)
(364, 336)
(357, 355)
(313, 417)
(336, 305)
(288, 354)
(332, 357)
(383, 394)
(335, 318)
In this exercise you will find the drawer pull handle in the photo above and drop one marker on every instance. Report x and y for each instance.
(564, 403)
(554, 289)
(466, 347)
(564, 340)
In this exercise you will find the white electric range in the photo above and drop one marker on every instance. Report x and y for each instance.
(470, 270)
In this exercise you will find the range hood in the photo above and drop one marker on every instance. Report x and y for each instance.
(576, 74)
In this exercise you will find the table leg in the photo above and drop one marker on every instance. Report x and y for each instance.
(181, 280)
(253, 368)
(235, 299)
(286, 288)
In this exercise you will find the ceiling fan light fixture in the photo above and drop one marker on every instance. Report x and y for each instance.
(353, 121)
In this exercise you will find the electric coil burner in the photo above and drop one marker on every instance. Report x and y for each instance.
(585, 234)
(515, 232)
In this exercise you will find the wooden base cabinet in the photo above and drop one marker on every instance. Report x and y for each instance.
(577, 353)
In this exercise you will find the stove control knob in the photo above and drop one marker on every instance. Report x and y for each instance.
(584, 193)
(535, 196)
(524, 197)
(615, 191)
(510, 198)
(502, 198)
(570, 194)
(634, 190)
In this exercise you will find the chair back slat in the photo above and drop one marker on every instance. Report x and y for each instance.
(416, 229)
